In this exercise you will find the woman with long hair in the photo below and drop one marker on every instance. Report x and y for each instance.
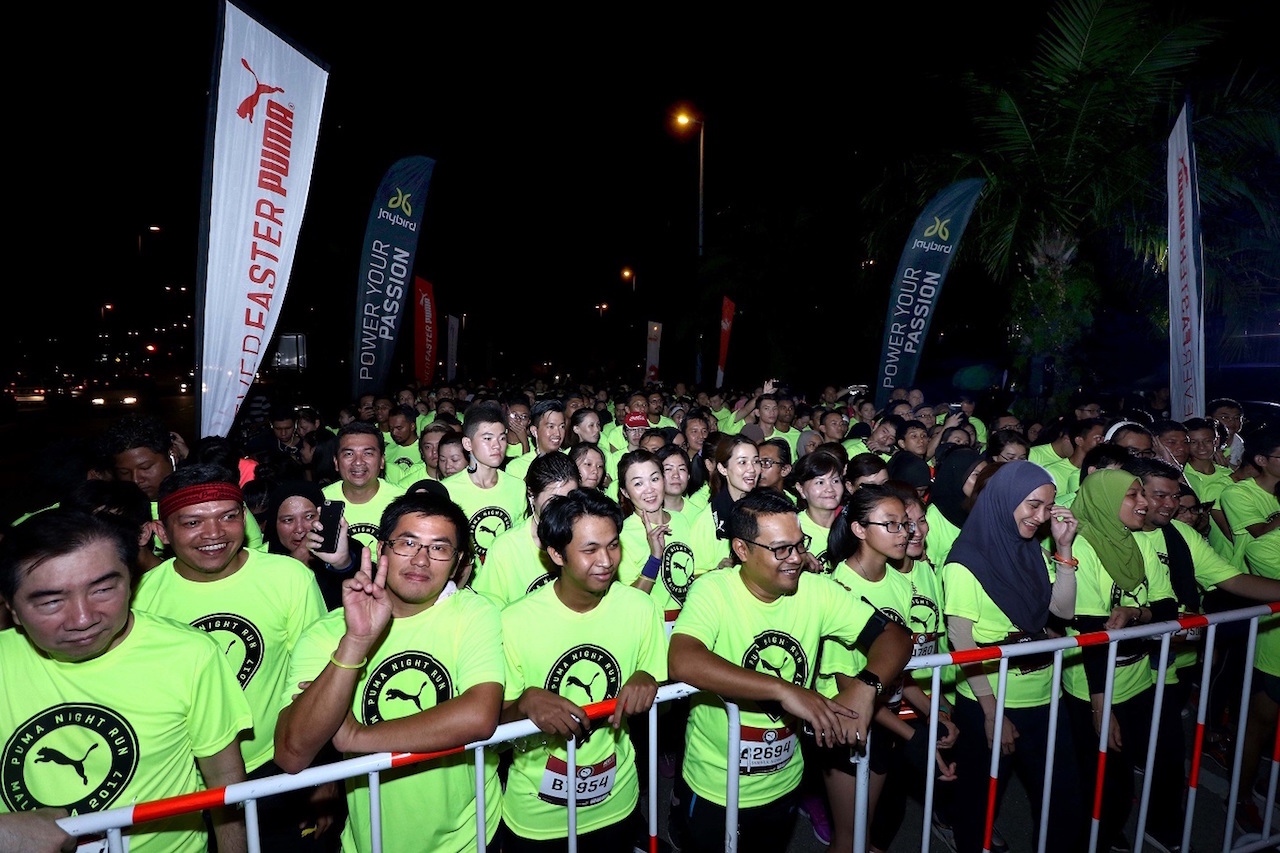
(736, 470)
(590, 461)
(675, 478)
(870, 530)
(817, 481)
(516, 563)
(656, 557)
(1114, 589)
(584, 426)
(1001, 586)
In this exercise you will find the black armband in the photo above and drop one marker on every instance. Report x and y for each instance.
(1164, 610)
(874, 628)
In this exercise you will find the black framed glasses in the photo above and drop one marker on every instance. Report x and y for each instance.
(407, 546)
(894, 526)
(768, 463)
(784, 552)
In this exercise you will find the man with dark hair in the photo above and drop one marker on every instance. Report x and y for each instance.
(1064, 456)
(359, 460)
(409, 664)
(753, 634)
(1193, 567)
(140, 449)
(1230, 414)
(255, 604)
(775, 464)
(1250, 505)
(492, 499)
(584, 639)
(547, 423)
(283, 441)
(403, 451)
(104, 718)
(124, 503)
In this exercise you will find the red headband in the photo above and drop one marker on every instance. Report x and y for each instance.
(198, 494)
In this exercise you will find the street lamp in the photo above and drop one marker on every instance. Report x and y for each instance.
(684, 120)
(602, 307)
(629, 274)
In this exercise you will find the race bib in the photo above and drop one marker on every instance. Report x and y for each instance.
(592, 783)
(1188, 635)
(765, 750)
(924, 644)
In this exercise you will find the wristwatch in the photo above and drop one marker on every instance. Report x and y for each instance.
(868, 677)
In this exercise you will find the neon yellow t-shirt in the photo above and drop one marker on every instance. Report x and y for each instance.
(400, 459)
(450, 647)
(586, 658)
(363, 519)
(514, 567)
(855, 446)
(1262, 556)
(928, 628)
(1245, 503)
(489, 511)
(789, 436)
(256, 616)
(941, 536)
(1030, 678)
(1097, 595)
(818, 534)
(120, 729)
(675, 573)
(1208, 487)
(780, 637)
(891, 595)
(1066, 477)
(406, 477)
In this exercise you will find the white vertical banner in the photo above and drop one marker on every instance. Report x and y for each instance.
(1186, 276)
(264, 124)
(451, 362)
(651, 354)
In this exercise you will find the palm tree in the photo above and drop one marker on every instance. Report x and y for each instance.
(1072, 144)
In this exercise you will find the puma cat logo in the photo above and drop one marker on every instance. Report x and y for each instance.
(586, 688)
(393, 693)
(48, 754)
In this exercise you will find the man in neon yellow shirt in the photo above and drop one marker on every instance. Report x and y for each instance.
(583, 639)
(359, 460)
(403, 452)
(1250, 505)
(1063, 456)
(492, 500)
(255, 605)
(752, 634)
(547, 421)
(104, 717)
(409, 664)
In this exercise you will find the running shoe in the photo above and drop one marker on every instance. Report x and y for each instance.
(1248, 818)
(944, 833)
(1163, 845)
(815, 810)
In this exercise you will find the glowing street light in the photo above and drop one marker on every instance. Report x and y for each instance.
(602, 307)
(629, 275)
(684, 120)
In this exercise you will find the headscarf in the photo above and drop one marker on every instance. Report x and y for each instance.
(949, 477)
(910, 469)
(1010, 569)
(1097, 509)
(802, 439)
(279, 494)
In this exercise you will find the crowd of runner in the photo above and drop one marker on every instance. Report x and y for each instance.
(408, 571)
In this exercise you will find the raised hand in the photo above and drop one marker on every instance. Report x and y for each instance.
(365, 605)
(1062, 526)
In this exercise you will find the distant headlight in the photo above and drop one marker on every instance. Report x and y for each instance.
(98, 401)
(129, 401)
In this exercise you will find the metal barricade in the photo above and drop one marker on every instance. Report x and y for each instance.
(113, 822)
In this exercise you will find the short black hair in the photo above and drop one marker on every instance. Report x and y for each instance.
(479, 414)
(196, 475)
(556, 521)
(744, 518)
(1144, 468)
(361, 428)
(547, 470)
(135, 431)
(57, 533)
(542, 408)
(781, 445)
(434, 506)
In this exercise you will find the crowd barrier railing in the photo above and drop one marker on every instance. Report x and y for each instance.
(112, 823)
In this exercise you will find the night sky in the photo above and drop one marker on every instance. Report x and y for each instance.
(557, 159)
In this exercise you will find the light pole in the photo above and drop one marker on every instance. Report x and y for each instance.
(629, 275)
(684, 120)
(602, 307)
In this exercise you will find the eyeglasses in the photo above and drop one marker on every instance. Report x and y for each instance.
(517, 417)
(768, 463)
(1143, 454)
(894, 526)
(1195, 509)
(407, 546)
(784, 552)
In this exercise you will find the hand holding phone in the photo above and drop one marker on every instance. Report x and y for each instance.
(330, 525)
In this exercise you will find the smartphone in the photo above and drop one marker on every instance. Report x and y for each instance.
(331, 520)
(954, 408)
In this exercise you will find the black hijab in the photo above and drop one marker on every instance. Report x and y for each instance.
(1010, 569)
(279, 494)
(949, 477)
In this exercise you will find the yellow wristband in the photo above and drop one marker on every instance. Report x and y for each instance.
(333, 659)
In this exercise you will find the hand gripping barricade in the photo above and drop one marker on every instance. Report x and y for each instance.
(111, 823)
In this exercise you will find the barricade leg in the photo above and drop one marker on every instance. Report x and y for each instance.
(1149, 768)
(860, 822)
(1197, 751)
(1051, 752)
(252, 831)
(375, 812)
(481, 833)
(993, 781)
(651, 719)
(1245, 692)
(935, 700)
(731, 779)
(1104, 731)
